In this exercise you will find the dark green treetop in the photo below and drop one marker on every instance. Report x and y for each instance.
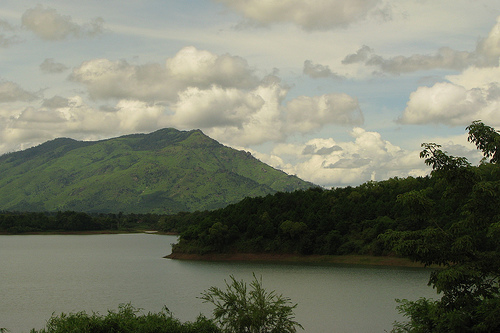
(467, 249)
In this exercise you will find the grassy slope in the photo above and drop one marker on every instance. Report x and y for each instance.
(165, 171)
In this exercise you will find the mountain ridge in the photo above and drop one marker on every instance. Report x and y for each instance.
(165, 171)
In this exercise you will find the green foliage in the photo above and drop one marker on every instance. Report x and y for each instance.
(126, 319)
(466, 245)
(166, 171)
(23, 222)
(238, 309)
(486, 139)
(314, 221)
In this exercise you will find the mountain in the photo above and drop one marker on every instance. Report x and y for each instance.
(166, 171)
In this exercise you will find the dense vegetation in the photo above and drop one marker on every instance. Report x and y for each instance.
(465, 246)
(315, 221)
(165, 172)
(342, 220)
(70, 221)
(126, 320)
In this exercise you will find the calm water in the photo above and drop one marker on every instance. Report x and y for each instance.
(42, 274)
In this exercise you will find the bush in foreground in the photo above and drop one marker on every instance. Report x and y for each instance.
(126, 320)
(237, 310)
(254, 310)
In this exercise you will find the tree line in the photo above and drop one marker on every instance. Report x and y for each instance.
(25, 222)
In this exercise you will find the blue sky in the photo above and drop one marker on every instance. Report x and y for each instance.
(338, 92)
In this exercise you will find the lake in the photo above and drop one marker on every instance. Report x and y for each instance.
(45, 274)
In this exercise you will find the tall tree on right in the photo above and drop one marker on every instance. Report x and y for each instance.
(466, 246)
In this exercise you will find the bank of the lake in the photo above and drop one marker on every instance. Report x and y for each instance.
(295, 258)
(89, 232)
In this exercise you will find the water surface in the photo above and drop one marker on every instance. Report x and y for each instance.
(45, 274)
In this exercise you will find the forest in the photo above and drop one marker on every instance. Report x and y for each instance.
(449, 219)
(350, 220)
(339, 221)
(71, 221)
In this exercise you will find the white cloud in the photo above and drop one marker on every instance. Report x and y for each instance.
(308, 14)
(61, 117)
(138, 116)
(488, 49)
(472, 95)
(202, 68)
(106, 79)
(332, 163)
(219, 94)
(264, 124)
(215, 107)
(150, 82)
(48, 24)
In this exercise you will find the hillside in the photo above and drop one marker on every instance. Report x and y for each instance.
(166, 171)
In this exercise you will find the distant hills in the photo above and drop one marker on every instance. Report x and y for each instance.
(166, 171)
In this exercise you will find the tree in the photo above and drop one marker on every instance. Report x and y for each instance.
(126, 320)
(466, 247)
(486, 139)
(240, 310)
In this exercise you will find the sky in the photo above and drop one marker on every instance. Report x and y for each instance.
(337, 92)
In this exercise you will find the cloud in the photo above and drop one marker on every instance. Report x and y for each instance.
(55, 102)
(202, 68)
(106, 79)
(7, 36)
(190, 67)
(308, 14)
(50, 66)
(138, 116)
(486, 54)
(219, 94)
(48, 24)
(475, 94)
(215, 107)
(305, 114)
(360, 56)
(60, 117)
(331, 163)
(443, 58)
(262, 124)
(471, 95)
(11, 92)
(316, 71)
(488, 49)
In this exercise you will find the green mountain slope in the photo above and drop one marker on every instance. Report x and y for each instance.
(166, 171)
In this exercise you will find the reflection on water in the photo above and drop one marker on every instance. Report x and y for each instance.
(42, 274)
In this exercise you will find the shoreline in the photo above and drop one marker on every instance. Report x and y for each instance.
(295, 258)
(89, 232)
(351, 259)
